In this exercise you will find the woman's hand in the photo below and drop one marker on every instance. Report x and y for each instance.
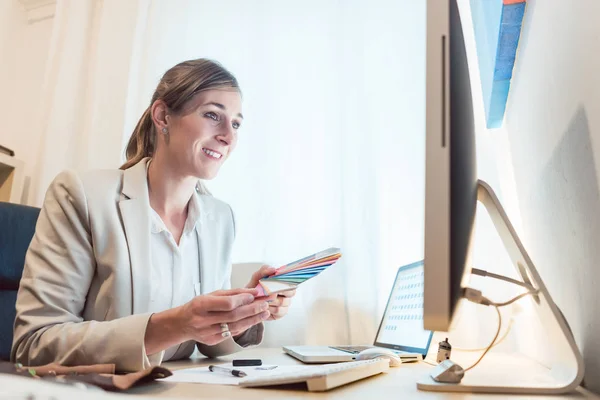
(202, 317)
(278, 303)
(278, 308)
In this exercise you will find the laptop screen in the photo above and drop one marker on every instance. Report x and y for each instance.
(402, 323)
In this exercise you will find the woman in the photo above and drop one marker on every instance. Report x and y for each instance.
(133, 266)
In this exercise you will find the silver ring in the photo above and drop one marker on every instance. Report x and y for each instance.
(225, 330)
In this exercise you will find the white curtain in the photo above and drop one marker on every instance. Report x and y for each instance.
(86, 87)
(331, 152)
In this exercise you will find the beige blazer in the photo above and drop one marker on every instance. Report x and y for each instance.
(84, 294)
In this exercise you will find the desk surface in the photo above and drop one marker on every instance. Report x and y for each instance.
(397, 383)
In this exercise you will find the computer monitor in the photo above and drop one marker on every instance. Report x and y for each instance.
(450, 167)
(451, 195)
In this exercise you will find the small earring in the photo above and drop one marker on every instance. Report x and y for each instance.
(165, 130)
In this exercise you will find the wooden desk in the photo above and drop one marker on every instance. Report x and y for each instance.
(397, 383)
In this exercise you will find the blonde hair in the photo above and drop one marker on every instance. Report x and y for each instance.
(176, 88)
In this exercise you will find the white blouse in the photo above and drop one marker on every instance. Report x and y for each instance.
(175, 269)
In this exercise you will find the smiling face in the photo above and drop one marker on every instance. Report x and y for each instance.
(203, 136)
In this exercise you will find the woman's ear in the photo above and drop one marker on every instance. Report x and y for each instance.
(159, 116)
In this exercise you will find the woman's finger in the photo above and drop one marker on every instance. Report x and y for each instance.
(239, 313)
(271, 297)
(212, 334)
(231, 292)
(281, 301)
(210, 330)
(214, 339)
(284, 301)
(208, 303)
(244, 324)
(288, 293)
(263, 272)
(277, 312)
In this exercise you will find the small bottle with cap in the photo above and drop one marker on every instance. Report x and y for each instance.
(444, 351)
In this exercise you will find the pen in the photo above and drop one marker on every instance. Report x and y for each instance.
(234, 372)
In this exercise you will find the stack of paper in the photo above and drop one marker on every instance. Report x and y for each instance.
(291, 275)
(204, 375)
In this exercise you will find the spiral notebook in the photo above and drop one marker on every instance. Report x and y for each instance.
(289, 276)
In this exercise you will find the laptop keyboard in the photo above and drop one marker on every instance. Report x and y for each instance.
(351, 349)
(358, 349)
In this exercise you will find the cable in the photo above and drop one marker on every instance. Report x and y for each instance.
(514, 299)
(493, 340)
(475, 296)
(429, 362)
(495, 344)
(481, 272)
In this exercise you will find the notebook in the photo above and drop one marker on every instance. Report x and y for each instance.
(400, 330)
(324, 377)
(289, 276)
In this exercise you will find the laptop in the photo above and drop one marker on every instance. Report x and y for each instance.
(400, 330)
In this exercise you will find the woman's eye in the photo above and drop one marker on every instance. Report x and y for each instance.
(236, 125)
(212, 116)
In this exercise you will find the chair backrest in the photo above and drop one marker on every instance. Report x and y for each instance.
(17, 225)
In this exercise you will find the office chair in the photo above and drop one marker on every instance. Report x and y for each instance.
(17, 225)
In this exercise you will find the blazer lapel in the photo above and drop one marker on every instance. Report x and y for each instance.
(135, 208)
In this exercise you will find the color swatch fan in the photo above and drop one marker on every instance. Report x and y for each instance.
(291, 275)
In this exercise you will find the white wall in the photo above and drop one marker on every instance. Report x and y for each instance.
(12, 22)
(23, 51)
(553, 125)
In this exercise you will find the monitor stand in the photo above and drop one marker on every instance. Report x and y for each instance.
(512, 374)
